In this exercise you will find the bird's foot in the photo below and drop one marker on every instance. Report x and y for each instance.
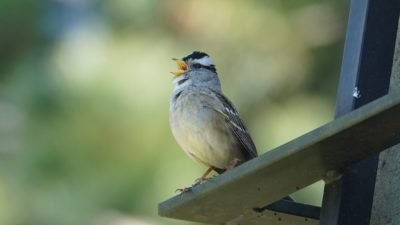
(196, 182)
(201, 180)
(184, 190)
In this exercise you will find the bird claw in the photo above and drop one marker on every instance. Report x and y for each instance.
(196, 182)
(184, 190)
(201, 180)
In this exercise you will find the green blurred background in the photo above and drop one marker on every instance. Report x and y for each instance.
(85, 86)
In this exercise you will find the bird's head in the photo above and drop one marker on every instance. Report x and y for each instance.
(195, 61)
(196, 70)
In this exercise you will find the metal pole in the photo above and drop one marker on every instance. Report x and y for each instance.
(365, 76)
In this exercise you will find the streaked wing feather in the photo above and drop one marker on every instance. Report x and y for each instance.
(237, 126)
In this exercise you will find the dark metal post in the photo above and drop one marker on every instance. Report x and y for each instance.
(365, 76)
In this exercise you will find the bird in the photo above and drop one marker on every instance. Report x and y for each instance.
(204, 122)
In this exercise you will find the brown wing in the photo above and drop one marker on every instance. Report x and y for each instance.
(237, 126)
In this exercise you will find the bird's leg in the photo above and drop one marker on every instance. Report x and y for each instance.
(232, 164)
(203, 178)
(198, 181)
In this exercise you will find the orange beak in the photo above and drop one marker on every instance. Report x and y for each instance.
(182, 67)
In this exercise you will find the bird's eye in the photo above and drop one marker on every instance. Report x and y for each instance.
(196, 65)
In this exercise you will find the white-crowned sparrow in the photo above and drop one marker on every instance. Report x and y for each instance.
(203, 121)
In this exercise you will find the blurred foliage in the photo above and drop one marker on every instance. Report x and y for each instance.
(85, 85)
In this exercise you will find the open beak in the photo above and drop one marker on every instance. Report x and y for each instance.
(182, 67)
